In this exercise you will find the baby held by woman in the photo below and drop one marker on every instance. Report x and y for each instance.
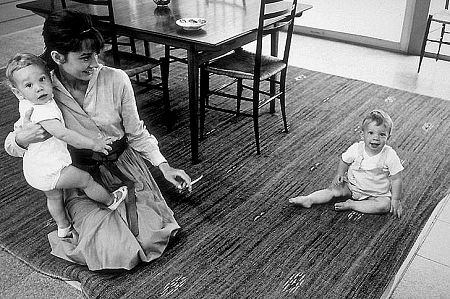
(47, 165)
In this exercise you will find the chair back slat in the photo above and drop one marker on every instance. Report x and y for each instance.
(270, 1)
(284, 15)
(276, 27)
(90, 2)
(275, 14)
(97, 9)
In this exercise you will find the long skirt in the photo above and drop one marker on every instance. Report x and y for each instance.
(103, 239)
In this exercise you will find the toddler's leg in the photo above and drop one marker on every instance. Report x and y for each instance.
(55, 205)
(372, 205)
(72, 177)
(321, 196)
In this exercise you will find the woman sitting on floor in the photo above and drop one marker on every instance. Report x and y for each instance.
(97, 99)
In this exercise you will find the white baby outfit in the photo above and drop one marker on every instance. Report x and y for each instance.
(369, 176)
(43, 161)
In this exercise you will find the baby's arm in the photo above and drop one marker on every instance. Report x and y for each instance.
(340, 174)
(75, 139)
(396, 190)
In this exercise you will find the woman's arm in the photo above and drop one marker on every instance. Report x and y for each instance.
(11, 146)
(143, 142)
(139, 138)
(75, 139)
(25, 132)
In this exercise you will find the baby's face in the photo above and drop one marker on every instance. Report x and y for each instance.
(33, 84)
(375, 137)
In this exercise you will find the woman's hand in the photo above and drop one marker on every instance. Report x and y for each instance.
(30, 132)
(177, 177)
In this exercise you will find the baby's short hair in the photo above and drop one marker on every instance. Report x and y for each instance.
(380, 118)
(20, 61)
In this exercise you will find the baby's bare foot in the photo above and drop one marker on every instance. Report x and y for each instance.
(343, 206)
(303, 201)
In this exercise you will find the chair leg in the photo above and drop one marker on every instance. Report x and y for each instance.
(239, 89)
(272, 92)
(440, 41)
(424, 43)
(204, 90)
(255, 118)
(283, 101)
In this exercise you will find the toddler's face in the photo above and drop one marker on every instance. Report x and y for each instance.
(375, 137)
(33, 84)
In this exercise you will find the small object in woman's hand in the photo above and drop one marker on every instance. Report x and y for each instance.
(196, 180)
(185, 189)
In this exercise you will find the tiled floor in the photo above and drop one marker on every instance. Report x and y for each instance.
(426, 272)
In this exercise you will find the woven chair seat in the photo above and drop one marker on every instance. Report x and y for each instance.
(240, 64)
(131, 63)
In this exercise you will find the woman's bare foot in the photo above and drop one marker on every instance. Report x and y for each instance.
(303, 201)
(343, 206)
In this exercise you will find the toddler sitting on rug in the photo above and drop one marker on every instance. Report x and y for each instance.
(47, 165)
(369, 173)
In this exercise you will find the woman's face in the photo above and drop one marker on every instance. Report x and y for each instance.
(80, 65)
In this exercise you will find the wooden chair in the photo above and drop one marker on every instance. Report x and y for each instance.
(441, 18)
(243, 66)
(123, 54)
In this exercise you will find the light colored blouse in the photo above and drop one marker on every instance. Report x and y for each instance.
(109, 108)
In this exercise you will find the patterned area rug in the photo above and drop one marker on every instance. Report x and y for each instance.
(240, 238)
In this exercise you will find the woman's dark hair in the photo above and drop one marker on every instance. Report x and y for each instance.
(69, 31)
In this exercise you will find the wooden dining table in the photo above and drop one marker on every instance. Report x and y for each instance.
(230, 24)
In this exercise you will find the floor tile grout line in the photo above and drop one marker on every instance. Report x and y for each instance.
(434, 261)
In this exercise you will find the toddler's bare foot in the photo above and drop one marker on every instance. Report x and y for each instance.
(303, 201)
(343, 206)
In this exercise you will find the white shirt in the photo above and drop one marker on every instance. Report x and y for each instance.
(369, 175)
(43, 161)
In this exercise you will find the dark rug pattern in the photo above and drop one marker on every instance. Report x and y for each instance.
(240, 238)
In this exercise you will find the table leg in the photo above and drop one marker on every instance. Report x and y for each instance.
(274, 52)
(193, 101)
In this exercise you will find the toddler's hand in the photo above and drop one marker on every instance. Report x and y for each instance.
(101, 145)
(396, 208)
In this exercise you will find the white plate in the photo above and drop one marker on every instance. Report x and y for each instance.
(191, 23)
